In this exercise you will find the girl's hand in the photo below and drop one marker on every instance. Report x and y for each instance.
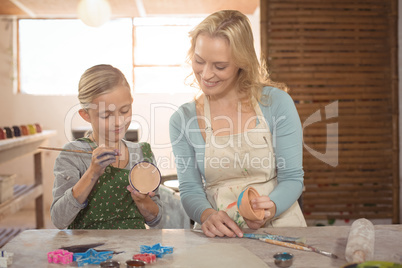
(218, 223)
(137, 196)
(147, 207)
(101, 158)
(262, 202)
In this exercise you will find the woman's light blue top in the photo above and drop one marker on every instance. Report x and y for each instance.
(189, 146)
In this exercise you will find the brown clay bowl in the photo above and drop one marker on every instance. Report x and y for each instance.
(145, 177)
(244, 205)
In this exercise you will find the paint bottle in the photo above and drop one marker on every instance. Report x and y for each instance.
(17, 131)
(31, 129)
(24, 130)
(3, 135)
(135, 263)
(38, 128)
(9, 133)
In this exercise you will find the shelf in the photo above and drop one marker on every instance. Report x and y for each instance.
(24, 194)
(20, 146)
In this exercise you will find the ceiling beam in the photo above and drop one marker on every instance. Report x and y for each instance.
(24, 8)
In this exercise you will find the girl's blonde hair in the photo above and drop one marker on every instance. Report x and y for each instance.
(235, 27)
(99, 80)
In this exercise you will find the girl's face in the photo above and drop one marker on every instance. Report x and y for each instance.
(110, 115)
(213, 65)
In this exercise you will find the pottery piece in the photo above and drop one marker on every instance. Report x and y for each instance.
(9, 133)
(38, 128)
(145, 177)
(17, 131)
(24, 130)
(244, 205)
(3, 134)
(31, 129)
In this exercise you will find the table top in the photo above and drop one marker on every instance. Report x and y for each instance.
(30, 247)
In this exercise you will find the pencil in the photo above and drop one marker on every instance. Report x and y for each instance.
(65, 150)
(285, 244)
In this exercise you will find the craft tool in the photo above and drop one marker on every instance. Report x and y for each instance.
(360, 245)
(277, 237)
(286, 238)
(299, 241)
(285, 244)
(65, 150)
(92, 256)
(81, 248)
(316, 250)
(60, 256)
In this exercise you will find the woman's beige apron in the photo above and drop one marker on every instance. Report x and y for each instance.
(235, 162)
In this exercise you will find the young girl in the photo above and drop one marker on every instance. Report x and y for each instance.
(92, 191)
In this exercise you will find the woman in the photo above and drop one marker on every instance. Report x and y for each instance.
(241, 131)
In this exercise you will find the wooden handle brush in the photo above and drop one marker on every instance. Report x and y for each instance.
(65, 150)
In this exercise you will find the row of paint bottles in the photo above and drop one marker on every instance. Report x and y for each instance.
(18, 131)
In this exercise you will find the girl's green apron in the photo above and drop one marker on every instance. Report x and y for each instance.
(235, 162)
(110, 205)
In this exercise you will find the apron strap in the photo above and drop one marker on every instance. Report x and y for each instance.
(207, 115)
(89, 141)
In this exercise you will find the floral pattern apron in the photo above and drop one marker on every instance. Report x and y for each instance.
(235, 162)
(110, 205)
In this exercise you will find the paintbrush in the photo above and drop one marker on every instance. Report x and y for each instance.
(300, 246)
(316, 250)
(285, 244)
(286, 238)
(277, 237)
(65, 150)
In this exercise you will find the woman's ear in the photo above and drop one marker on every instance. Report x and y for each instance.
(84, 114)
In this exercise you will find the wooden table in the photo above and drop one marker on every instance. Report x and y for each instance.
(31, 246)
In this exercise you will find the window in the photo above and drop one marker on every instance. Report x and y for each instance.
(54, 53)
(160, 50)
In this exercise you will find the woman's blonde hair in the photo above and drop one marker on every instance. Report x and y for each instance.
(235, 27)
(99, 80)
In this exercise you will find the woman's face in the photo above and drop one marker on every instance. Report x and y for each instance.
(110, 115)
(213, 65)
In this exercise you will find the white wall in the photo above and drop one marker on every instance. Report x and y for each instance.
(153, 112)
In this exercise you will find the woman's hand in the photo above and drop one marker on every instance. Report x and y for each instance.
(147, 207)
(262, 202)
(101, 158)
(218, 223)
